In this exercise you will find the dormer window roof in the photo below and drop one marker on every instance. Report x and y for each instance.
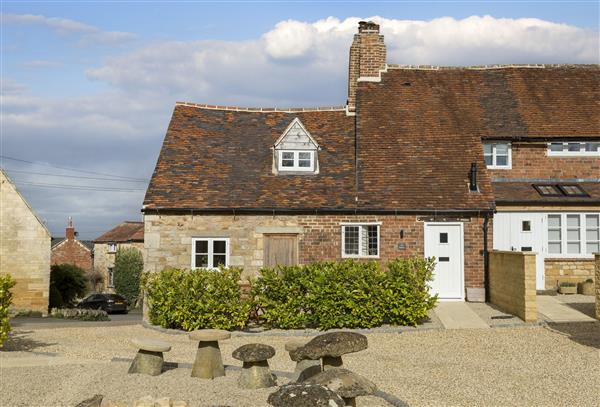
(295, 151)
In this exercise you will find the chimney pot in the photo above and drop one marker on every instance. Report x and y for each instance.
(368, 26)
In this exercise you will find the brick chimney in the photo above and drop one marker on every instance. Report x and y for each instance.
(367, 57)
(70, 231)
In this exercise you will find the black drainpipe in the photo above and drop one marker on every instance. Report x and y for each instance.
(486, 258)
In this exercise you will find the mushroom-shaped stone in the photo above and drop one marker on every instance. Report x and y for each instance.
(347, 384)
(208, 363)
(304, 395)
(330, 347)
(305, 368)
(255, 372)
(149, 359)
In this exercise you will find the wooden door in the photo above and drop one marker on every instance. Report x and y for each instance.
(280, 250)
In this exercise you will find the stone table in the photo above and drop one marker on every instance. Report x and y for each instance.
(208, 363)
(255, 372)
(330, 347)
(149, 359)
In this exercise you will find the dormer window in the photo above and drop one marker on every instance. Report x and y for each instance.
(295, 152)
(296, 160)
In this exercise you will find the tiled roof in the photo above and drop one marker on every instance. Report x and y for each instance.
(418, 131)
(58, 240)
(125, 232)
(524, 193)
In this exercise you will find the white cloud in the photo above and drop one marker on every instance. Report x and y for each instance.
(87, 34)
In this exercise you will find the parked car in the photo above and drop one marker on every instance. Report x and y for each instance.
(107, 302)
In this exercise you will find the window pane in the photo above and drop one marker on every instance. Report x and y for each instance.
(591, 221)
(556, 146)
(351, 240)
(501, 160)
(304, 155)
(202, 260)
(526, 226)
(501, 149)
(573, 234)
(592, 147)
(488, 159)
(573, 248)
(304, 163)
(373, 244)
(554, 221)
(573, 221)
(287, 155)
(219, 247)
(287, 163)
(487, 149)
(218, 260)
(444, 237)
(593, 248)
(574, 146)
(201, 246)
(592, 235)
(554, 248)
(554, 235)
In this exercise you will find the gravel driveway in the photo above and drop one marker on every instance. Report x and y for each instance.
(529, 366)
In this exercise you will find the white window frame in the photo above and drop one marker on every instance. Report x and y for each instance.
(210, 253)
(296, 155)
(583, 227)
(566, 153)
(110, 277)
(495, 166)
(361, 226)
(112, 248)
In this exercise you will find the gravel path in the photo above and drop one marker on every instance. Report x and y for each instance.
(530, 366)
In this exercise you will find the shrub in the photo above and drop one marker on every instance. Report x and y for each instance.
(128, 268)
(80, 314)
(67, 283)
(196, 299)
(346, 294)
(6, 283)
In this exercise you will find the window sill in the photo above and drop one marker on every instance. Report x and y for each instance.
(496, 167)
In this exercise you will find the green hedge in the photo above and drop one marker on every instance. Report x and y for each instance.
(128, 268)
(346, 294)
(6, 283)
(196, 299)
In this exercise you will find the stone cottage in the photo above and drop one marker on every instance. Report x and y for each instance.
(124, 235)
(24, 249)
(410, 165)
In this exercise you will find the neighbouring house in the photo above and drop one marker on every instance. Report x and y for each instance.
(124, 235)
(70, 250)
(24, 249)
(409, 166)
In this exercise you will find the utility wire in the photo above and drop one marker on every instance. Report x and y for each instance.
(80, 187)
(70, 176)
(71, 169)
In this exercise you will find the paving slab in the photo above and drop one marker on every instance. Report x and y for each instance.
(553, 309)
(458, 315)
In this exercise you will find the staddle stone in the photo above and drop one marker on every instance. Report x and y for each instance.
(209, 335)
(330, 347)
(345, 383)
(304, 395)
(149, 359)
(304, 368)
(152, 345)
(254, 352)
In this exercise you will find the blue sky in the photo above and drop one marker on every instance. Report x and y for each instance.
(91, 85)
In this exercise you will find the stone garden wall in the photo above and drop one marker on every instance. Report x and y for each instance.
(567, 270)
(512, 283)
(597, 285)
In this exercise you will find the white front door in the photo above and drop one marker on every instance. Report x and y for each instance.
(444, 241)
(522, 232)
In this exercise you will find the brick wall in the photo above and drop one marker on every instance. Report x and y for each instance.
(168, 239)
(567, 270)
(24, 250)
(530, 160)
(72, 252)
(512, 283)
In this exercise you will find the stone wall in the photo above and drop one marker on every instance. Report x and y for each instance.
(512, 283)
(72, 252)
(103, 259)
(597, 285)
(567, 270)
(168, 239)
(24, 250)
